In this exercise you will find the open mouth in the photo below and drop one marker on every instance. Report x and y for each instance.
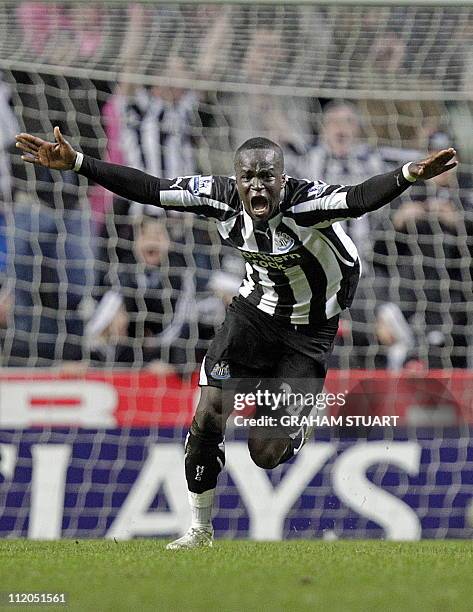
(259, 206)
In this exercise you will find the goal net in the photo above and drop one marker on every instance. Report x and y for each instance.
(122, 300)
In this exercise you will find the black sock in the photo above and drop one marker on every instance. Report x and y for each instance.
(204, 459)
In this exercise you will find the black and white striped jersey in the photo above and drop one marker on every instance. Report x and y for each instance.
(301, 267)
(360, 163)
(155, 135)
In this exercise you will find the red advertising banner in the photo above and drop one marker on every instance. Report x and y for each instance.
(131, 398)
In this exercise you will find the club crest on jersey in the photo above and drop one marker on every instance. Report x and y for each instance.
(221, 370)
(283, 242)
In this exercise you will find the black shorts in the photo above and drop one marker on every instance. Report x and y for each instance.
(252, 344)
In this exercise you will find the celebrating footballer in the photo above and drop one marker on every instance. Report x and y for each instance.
(301, 273)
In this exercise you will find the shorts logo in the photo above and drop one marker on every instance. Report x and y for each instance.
(283, 241)
(221, 370)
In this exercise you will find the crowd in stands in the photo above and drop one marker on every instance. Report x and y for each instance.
(88, 277)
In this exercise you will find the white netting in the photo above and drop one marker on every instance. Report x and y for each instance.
(349, 91)
(418, 257)
(153, 92)
(152, 86)
(412, 50)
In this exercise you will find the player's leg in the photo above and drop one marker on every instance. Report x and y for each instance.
(267, 453)
(204, 460)
(268, 450)
(205, 455)
(237, 346)
(301, 369)
(272, 444)
(305, 366)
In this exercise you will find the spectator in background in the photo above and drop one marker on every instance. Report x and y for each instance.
(87, 26)
(447, 203)
(115, 242)
(42, 26)
(48, 276)
(223, 286)
(453, 186)
(342, 159)
(425, 265)
(395, 338)
(48, 265)
(283, 119)
(145, 316)
(49, 269)
(153, 129)
(59, 34)
(160, 128)
(8, 129)
(149, 128)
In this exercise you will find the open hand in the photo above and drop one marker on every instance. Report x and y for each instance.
(436, 164)
(57, 155)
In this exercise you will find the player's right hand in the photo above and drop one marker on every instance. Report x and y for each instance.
(57, 155)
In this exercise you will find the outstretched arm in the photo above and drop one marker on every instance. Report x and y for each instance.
(383, 188)
(60, 155)
(325, 204)
(200, 195)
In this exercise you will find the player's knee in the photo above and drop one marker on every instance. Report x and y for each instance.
(266, 454)
(201, 447)
(208, 416)
(265, 459)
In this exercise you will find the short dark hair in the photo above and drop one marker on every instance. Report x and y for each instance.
(260, 143)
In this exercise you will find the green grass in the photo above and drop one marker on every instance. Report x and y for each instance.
(290, 576)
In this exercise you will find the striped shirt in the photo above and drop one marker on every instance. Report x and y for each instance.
(360, 163)
(156, 135)
(301, 267)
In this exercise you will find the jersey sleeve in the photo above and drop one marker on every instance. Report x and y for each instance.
(317, 204)
(204, 195)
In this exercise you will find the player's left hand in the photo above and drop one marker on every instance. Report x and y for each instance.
(436, 164)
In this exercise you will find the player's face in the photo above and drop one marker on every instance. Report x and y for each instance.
(260, 180)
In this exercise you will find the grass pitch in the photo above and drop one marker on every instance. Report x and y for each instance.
(243, 576)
